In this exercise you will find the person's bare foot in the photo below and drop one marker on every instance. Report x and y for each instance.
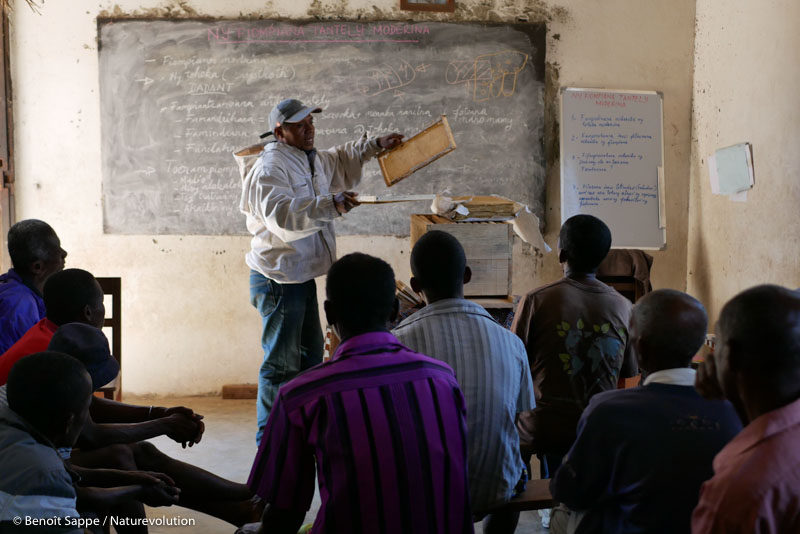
(257, 506)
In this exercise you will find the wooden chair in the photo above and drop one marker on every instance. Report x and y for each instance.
(113, 286)
(625, 285)
(627, 271)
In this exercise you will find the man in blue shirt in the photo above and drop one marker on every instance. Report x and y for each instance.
(641, 454)
(36, 254)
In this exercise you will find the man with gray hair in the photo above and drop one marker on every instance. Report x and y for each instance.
(641, 454)
(36, 254)
(291, 194)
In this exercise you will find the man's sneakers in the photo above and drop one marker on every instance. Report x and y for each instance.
(545, 515)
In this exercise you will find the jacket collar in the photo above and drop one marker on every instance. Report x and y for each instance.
(14, 420)
(759, 429)
(366, 343)
(445, 306)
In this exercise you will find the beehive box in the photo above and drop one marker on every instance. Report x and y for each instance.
(487, 246)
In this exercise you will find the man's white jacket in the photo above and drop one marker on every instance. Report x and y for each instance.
(289, 211)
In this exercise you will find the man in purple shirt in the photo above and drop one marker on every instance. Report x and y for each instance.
(36, 254)
(756, 483)
(386, 426)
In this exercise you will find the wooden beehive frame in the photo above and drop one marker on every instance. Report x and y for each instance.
(415, 153)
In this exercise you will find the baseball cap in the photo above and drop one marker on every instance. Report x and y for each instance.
(89, 345)
(289, 110)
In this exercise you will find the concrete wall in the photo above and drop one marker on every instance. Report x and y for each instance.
(746, 88)
(188, 327)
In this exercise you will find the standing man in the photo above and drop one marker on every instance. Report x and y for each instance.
(575, 332)
(291, 196)
(36, 254)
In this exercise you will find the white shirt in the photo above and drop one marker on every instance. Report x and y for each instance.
(290, 211)
(679, 376)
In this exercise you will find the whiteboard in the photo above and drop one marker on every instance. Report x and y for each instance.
(612, 163)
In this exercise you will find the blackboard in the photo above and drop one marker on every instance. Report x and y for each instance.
(612, 163)
(178, 97)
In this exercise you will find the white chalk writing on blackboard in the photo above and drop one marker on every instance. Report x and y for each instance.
(178, 97)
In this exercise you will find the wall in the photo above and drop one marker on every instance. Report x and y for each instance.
(188, 325)
(746, 87)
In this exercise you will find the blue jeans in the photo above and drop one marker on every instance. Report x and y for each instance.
(291, 336)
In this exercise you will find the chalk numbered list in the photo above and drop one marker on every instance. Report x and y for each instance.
(612, 162)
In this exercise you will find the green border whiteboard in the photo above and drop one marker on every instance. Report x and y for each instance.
(612, 162)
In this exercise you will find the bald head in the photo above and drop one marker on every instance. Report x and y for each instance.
(668, 327)
(439, 265)
(759, 330)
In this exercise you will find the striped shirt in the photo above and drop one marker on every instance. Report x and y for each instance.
(492, 368)
(387, 429)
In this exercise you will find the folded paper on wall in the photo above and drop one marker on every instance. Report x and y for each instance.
(730, 171)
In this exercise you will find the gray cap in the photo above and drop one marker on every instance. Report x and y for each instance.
(289, 110)
(89, 345)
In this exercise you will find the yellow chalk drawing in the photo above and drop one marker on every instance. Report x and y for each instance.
(490, 76)
(386, 78)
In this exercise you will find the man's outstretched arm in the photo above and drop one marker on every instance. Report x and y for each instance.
(177, 426)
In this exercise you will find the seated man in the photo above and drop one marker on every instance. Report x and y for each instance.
(48, 397)
(641, 454)
(118, 443)
(115, 433)
(36, 254)
(575, 333)
(385, 426)
(490, 364)
(756, 482)
(70, 296)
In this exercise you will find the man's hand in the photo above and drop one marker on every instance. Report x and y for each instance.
(390, 141)
(705, 382)
(183, 429)
(345, 201)
(159, 494)
(188, 412)
(144, 478)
